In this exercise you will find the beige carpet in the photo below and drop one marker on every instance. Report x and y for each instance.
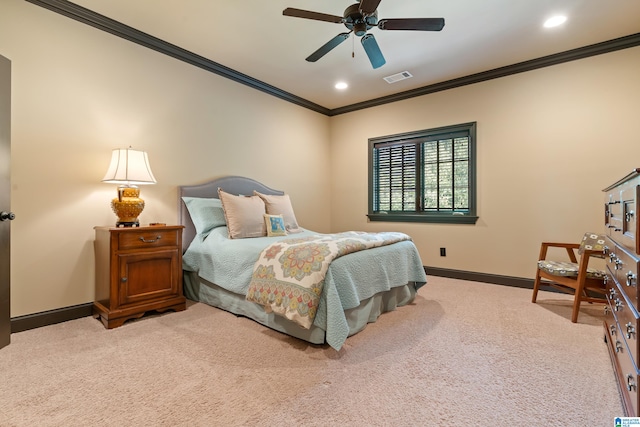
(464, 353)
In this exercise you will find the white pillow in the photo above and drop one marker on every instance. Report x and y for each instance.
(244, 215)
(281, 205)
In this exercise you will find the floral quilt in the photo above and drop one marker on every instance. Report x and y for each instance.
(289, 275)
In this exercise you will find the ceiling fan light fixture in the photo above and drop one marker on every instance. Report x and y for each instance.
(555, 21)
(359, 18)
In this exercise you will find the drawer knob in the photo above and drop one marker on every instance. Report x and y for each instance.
(606, 310)
(628, 216)
(631, 383)
(631, 279)
(631, 330)
(123, 280)
(612, 257)
(618, 305)
(612, 328)
(142, 239)
(618, 346)
(619, 264)
(612, 292)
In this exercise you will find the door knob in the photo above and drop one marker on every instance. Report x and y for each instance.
(4, 216)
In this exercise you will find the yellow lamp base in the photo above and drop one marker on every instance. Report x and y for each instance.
(128, 206)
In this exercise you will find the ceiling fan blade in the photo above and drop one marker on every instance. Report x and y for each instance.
(299, 13)
(367, 7)
(416, 24)
(327, 47)
(373, 50)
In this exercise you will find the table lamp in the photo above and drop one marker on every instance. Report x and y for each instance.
(129, 168)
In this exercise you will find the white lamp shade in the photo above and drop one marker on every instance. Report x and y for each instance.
(129, 166)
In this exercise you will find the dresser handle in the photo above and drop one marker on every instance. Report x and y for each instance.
(614, 228)
(631, 278)
(618, 305)
(618, 346)
(630, 330)
(612, 256)
(628, 216)
(619, 264)
(612, 328)
(142, 239)
(631, 383)
(612, 291)
(606, 310)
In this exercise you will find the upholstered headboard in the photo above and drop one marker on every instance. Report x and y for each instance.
(230, 184)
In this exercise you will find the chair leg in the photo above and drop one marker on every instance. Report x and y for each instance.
(580, 293)
(576, 307)
(536, 285)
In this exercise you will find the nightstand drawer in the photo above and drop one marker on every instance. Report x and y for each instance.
(147, 238)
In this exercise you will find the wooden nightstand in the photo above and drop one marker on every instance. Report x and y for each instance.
(138, 269)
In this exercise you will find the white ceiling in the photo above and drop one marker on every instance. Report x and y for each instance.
(254, 38)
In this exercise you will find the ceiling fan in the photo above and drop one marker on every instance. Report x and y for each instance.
(360, 18)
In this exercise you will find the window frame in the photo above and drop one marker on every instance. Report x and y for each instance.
(423, 216)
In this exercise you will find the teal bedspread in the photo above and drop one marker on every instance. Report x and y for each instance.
(350, 279)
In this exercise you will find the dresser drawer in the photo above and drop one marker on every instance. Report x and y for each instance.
(624, 367)
(613, 213)
(621, 213)
(626, 318)
(623, 266)
(147, 237)
(629, 218)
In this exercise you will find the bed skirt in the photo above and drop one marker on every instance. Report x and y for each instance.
(198, 289)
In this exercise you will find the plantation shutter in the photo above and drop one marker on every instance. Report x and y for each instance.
(395, 176)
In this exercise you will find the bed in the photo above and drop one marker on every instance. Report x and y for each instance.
(217, 270)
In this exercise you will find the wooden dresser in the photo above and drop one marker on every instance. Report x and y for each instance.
(621, 314)
(138, 269)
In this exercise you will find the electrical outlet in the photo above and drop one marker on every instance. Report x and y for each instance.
(443, 251)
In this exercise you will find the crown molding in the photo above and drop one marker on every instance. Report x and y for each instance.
(626, 42)
(119, 29)
(101, 22)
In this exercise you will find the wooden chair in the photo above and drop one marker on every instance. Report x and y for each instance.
(573, 277)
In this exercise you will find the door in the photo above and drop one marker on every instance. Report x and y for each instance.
(5, 200)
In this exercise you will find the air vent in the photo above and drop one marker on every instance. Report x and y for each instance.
(397, 77)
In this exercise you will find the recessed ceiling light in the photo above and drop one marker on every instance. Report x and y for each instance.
(554, 21)
(341, 85)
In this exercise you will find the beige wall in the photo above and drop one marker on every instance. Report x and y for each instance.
(549, 141)
(79, 92)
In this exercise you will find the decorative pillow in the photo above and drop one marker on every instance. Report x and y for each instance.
(275, 225)
(281, 205)
(206, 214)
(244, 215)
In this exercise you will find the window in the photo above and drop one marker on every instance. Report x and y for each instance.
(424, 176)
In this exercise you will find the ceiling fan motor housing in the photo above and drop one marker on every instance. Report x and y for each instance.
(354, 20)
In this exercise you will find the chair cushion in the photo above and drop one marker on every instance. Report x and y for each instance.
(593, 242)
(568, 269)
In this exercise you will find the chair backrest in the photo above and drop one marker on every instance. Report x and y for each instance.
(593, 242)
